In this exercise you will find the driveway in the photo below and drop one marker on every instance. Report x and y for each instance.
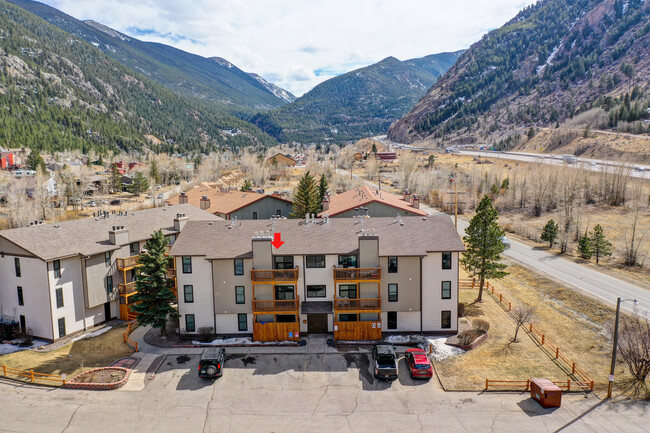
(298, 393)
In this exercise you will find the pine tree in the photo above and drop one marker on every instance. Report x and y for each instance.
(550, 232)
(247, 186)
(374, 148)
(35, 161)
(154, 298)
(305, 199)
(140, 184)
(584, 247)
(484, 245)
(600, 246)
(154, 173)
(116, 179)
(322, 191)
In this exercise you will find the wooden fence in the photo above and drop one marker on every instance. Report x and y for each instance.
(129, 328)
(13, 373)
(276, 331)
(524, 385)
(357, 331)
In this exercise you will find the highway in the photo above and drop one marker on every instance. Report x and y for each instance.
(575, 275)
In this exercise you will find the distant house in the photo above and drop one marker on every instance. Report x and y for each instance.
(230, 204)
(6, 160)
(371, 202)
(281, 160)
(386, 156)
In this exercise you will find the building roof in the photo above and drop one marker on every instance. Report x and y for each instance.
(280, 158)
(363, 195)
(89, 236)
(415, 236)
(222, 202)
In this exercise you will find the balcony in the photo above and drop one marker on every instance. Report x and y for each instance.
(357, 304)
(357, 274)
(276, 306)
(127, 263)
(273, 276)
(127, 289)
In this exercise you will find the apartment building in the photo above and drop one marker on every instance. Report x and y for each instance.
(354, 278)
(63, 278)
(371, 202)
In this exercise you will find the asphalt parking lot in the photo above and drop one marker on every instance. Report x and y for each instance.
(299, 393)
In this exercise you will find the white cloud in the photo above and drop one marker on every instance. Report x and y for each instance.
(300, 43)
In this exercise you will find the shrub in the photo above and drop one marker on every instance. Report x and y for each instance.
(481, 326)
(466, 338)
(461, 309)
(207, 334)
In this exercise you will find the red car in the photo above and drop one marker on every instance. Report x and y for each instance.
(419, 364)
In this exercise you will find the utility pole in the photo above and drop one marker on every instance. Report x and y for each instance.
(613, 365)
(452, 179)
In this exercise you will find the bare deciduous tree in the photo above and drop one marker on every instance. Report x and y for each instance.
(408, 164)
(634, 348)
(522, 314)
(633, 241)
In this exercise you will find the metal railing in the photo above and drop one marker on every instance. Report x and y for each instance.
(357, 304)
(270, 306)
(272, 275)
(357, 273)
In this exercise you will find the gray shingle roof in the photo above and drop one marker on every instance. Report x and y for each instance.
(415, 237)
(90, 235)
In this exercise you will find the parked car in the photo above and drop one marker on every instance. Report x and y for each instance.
(418, 363)
(211, 363)
(385, 360)
(116, 202)
(91, 203)
(639, 168)
(505, 242)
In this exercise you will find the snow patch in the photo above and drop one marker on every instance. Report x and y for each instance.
(441, 351)
(92, 334)
(396, 339)
(238, 341)
(6, 348)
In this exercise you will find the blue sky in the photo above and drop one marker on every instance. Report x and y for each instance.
(297, 44)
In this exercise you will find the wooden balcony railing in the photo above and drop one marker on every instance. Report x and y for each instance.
(171, 273)
(127, 262)
(276, 306)
(127, 289)
(357, 274)
(357, 304)
(274, 275)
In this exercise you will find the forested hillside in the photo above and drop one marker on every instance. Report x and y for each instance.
(58, 92)
(358, 104)
(554, 60)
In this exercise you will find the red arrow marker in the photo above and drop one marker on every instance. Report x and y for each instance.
(277, 241)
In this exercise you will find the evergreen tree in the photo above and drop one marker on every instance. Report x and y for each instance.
(584, 247)
(248, 186)
(374, 148)
(484, 245)
(305, 199)
(35, 161)
(154, 173)
(140, 184)
(116, 179)
(101, 160)
(601, 247)
(154, 298)
(550, 232)
(432, 160)
(322, 190)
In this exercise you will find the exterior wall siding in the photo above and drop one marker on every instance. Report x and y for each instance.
(74, 305)
(225, 280)
(432, 302)
(407, 321)
(376, 209)
(407, 279)
(201, 281)
(265, 208)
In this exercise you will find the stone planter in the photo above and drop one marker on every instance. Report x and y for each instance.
(75, 382)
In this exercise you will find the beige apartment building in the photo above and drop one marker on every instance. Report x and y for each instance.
(354, 278)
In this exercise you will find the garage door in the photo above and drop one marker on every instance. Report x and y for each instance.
(317, 323)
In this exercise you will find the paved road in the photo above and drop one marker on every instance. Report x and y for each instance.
(593, 282)
(300, 393)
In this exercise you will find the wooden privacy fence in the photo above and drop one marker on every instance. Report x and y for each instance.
(13, 373)
(129, 328)
(543, 342)
(524, 385)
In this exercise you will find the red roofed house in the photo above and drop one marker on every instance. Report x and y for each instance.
(6, 160)
(378, 203)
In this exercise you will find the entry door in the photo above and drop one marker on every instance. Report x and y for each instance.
(107, 311)
(317, 323)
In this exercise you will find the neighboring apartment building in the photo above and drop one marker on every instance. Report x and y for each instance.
(353, 277)
(371, 202)
(59, 279)
(234, 204)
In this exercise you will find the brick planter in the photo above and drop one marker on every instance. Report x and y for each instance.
(477, 342)
(99, 386)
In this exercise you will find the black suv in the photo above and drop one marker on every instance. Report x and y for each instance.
(211, 363)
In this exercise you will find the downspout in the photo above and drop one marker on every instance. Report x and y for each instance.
(84, 286)
(49, 297)
(457, 287)
(421, 330)
(214, 305)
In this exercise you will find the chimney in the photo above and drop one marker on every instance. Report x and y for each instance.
(416, 201)
(326, 202)
(205, 202)
(407, 196)
(179, 221)
(183, 199)
(118, 235)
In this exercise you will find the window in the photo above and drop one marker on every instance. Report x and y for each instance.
(446, 290)
(283, 262)
(392, 293)
(62, 327)
(109, 284)
(240, 295)
(21, 300)
(348, 261)
(284, 293)
(187, 264)
(392, 319)
(107, 258)
(278, 212)
(254, 215)
(135, 248)
(316, 291)
(315, 261)
(190, 325)
(59, 297)
(242, 322)
(239, 266)
(445, 322)
(392, 265)
(348, 318)
(446, 260)
(348, 291)
(17, 266)
(57, 268)
(188, 293)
